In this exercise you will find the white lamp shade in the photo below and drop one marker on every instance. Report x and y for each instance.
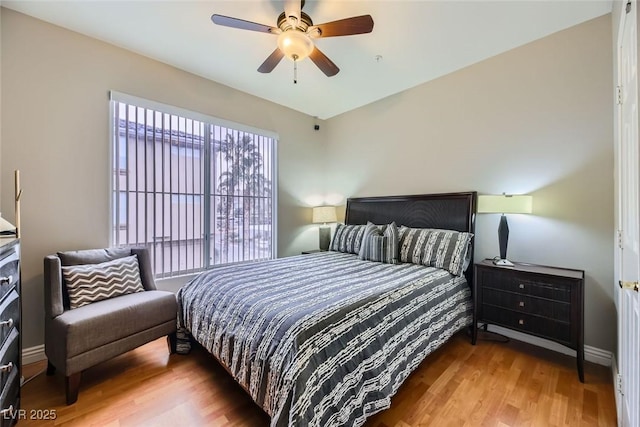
(505, 204)
(6, 226)
(295, 45)
(324, 214)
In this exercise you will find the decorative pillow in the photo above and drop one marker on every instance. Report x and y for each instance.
(380, 246)
(89, 283)
(445, 249)
(347, 238)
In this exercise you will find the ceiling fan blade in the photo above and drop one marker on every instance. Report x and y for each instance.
(270, 63)
(228, 21)
(344, 27)
(293, 8)
(325, 64)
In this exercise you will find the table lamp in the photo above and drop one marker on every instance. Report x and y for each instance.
(324, 215)
(504, 204)
(6, 228)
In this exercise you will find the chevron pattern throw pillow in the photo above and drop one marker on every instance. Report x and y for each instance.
(89, 283)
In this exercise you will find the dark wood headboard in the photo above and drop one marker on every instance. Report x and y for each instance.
(448, 211)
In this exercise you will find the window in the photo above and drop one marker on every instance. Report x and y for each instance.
(197, 191)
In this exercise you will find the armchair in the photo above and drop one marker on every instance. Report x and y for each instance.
(78, 338)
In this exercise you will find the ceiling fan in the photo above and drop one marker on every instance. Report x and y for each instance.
(296, 33)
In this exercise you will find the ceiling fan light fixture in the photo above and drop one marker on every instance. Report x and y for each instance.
(295, 45)
(296, 32)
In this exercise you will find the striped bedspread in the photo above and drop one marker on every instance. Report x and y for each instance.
(323, 339)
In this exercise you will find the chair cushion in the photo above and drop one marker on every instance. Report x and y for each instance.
(89, 283)
(92, 256)
(107, 321)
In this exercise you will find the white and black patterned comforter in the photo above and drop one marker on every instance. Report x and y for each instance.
(323, 339)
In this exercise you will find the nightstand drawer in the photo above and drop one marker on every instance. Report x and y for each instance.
(527, 304)
(9, 399)
(9, 356)
(543, 327)
(559, 290)
(9, 271)
(9, 314)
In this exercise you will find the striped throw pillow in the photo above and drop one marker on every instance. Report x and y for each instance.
(89, 283)
(380, 246)
(444, 249)
(347, 238)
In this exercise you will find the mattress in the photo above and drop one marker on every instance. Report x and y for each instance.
(323, 339)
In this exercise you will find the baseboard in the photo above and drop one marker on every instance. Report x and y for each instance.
(598, 355)
(591, 354)
(33, 354)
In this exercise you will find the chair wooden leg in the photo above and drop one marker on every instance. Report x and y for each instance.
(72, 385)
(50, 369)
(172, 342)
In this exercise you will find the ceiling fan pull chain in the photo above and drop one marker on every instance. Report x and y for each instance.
(295, 69)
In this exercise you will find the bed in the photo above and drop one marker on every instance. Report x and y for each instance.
(326, 339)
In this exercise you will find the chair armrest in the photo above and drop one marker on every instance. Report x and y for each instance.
(53, 305)
(146, 271)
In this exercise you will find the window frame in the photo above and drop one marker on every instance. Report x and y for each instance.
(119, 97)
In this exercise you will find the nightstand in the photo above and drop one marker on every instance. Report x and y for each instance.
(312, 251)
(547, 302)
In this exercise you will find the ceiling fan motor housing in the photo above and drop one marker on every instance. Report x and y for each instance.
(294, 43)
(303, 24)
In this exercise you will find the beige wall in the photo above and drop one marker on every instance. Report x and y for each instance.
(55, 115)
(535, 120)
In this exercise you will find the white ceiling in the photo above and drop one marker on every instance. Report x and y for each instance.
(417, 40)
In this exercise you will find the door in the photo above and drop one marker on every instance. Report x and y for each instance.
(628, 200)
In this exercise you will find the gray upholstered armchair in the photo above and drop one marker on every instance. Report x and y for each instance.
(78, 338)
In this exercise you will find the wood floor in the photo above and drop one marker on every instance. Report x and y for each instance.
(490, 384)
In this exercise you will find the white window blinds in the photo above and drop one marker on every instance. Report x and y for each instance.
(196, 190)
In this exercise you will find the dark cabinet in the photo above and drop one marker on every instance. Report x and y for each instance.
(10, 340)
(547, 302)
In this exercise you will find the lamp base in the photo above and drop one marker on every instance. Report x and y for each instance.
(503, 236)
(325, 238)
(503, 262)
